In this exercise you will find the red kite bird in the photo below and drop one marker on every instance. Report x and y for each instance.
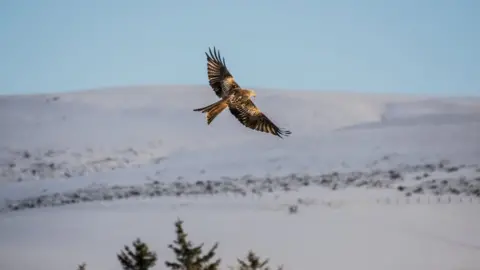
(235, 98)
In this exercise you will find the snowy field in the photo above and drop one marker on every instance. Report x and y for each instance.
(380, 181)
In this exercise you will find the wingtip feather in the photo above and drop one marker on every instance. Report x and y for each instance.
(282, 133)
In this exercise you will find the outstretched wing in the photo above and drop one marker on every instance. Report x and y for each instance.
(219, 78)
(250, 116)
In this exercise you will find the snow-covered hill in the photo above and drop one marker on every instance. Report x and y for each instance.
(352, 149)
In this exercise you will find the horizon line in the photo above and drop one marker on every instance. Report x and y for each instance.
(320, 90)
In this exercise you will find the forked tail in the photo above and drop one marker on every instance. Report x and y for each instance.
(213, 110)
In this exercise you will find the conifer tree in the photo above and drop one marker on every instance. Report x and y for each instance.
(253, 262)
(188, 256)
(140, 259)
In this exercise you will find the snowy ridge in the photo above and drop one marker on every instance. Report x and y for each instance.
(427, 112)
(97, 131)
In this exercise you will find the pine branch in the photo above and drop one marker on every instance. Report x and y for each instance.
(253, 262)
(82, 266)
(140, 259)
(188, 256)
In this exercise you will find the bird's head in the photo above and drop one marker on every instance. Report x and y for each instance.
(252, 93)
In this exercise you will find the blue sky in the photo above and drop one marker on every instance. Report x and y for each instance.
(414, 46)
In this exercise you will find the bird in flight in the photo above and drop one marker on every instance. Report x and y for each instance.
(237, 99)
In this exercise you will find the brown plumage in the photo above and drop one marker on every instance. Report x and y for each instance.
(235, 98)
(219, 78)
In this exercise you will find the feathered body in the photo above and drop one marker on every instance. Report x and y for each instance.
(237, 99)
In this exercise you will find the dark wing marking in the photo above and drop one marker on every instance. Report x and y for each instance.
(219, 78)
(250, 116)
